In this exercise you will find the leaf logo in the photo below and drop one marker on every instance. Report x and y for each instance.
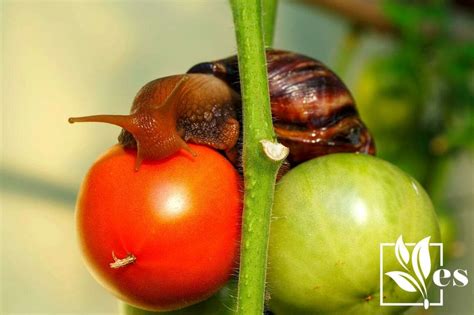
(415, 278)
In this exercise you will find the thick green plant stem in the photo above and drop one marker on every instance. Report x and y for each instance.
(254, 32)
(269, 17)
(259, 170)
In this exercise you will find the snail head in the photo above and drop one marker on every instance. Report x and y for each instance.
(152, 121)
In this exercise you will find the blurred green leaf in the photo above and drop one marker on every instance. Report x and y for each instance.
(418, 99)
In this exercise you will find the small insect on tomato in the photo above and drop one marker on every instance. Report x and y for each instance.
(164, 237)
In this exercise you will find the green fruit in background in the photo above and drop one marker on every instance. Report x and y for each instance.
(449, 234)
(330, 216)
(388, 103)
(384, 102)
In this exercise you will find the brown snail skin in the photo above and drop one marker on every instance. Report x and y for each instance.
(313, 111)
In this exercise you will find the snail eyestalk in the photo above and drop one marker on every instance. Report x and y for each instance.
(171, 97)
(124, 121)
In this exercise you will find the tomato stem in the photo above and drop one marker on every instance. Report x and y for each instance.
(261, 160)
(122, 262)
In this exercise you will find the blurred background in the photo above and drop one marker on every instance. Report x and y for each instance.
(409, 64)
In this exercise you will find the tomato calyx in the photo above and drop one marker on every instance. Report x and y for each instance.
(122, 262)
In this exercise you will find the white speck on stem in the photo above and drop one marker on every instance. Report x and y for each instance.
(274, 151)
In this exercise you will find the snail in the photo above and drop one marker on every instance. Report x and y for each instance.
(313, 111)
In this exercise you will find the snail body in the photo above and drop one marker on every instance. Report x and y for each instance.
(171, 111)
(314, 113)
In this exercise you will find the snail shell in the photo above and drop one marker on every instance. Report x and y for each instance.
(313, 111)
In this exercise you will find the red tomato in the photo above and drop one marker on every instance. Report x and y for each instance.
(177, 220)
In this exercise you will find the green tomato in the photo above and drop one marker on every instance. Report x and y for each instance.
(330, 216)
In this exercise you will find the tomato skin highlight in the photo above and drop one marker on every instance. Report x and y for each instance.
(180, 217)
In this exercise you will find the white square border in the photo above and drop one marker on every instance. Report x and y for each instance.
(441, 294)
